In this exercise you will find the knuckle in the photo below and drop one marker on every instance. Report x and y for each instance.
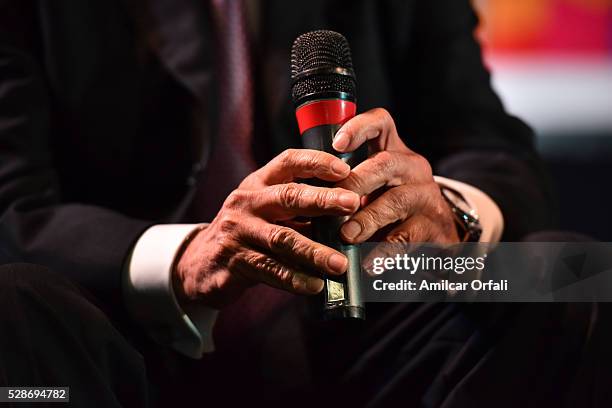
(317, 255)
(299, 158)
(259, 261)
(287, 156)
(380, 111)
(236, 199)
(384, 116)
(289, 195)
(310, 159)
(322, 199)
(282, 238)
(284, 160)
(422, 164)
(269, 266)
(283, 274)
(227, 223)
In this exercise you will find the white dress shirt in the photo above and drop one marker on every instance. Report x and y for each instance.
(151, 300)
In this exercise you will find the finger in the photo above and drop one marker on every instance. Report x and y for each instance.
(294, 248)
(389, 169)
(260, 267)
(295, 164)
(416, 229)
(396, 204)
(375, 125)
(285, 201)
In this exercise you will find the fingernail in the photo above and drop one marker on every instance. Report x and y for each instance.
(338, 263)
(341, 168)
(351, 229)
(314, 285)
(341, 141)
(348, 200)
(308, 283)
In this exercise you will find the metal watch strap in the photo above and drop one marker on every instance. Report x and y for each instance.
(466, 219)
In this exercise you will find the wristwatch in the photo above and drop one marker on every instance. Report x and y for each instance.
(466, 218)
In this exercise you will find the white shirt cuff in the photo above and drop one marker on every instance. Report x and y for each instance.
(487, 212)
(150, 298)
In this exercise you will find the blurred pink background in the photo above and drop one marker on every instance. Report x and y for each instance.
(551, 61)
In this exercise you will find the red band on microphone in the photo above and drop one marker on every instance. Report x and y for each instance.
(324, 112)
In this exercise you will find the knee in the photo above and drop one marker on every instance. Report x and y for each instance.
(15, 274)
(22, 280)
(27, 275)
(38, 295)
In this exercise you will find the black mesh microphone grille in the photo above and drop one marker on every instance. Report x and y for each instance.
(321, 50)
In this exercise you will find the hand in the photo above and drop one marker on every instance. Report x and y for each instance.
(396, 185)
(245, 245)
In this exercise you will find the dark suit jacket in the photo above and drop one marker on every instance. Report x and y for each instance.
(105, 107)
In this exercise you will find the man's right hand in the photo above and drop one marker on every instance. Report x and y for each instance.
(245, 244)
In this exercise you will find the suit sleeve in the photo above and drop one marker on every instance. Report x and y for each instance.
(461, 123)
(86, 242)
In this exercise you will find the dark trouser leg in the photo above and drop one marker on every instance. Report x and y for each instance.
(431, 355)
(502, 355)
(51, 335)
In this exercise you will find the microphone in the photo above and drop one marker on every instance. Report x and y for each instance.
(324, 94)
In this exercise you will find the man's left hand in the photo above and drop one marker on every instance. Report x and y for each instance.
(396, 185)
